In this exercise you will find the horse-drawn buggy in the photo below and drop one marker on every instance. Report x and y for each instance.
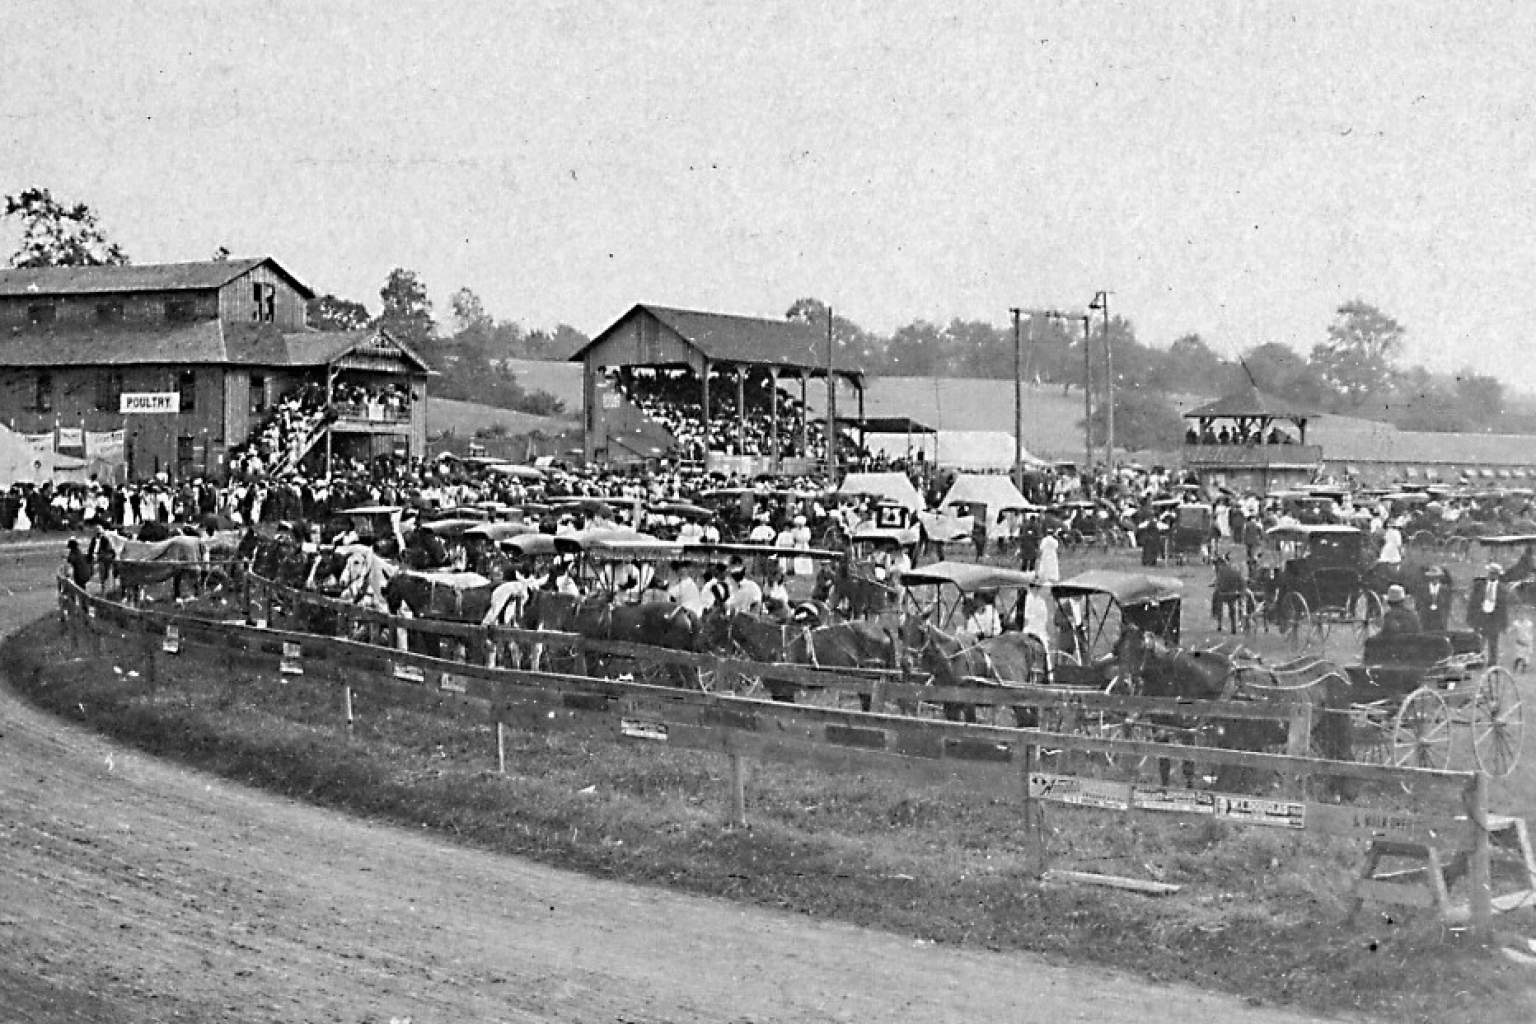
(1411, 691)
(1325, 580)
(1190, 531)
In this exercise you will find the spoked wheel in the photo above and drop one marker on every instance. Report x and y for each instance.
(1421, 734)
(1370, 735)
(1369, 611)
(1296, 622)
(1498, 723)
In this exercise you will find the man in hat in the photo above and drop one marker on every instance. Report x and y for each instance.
(746, 594)
(1399, 617)
(1432, 601)
(1488, 609)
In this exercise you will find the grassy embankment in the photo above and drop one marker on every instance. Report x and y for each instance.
(1260, 914)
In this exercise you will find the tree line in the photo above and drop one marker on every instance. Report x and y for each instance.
(1354, 368)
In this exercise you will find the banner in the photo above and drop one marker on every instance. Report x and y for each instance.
(141, 403)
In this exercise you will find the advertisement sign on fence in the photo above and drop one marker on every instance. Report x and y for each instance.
(1177, 801)
(141, 403)
(1256, 811)
(1069, 789)
(407, 673)
(172, 642)
(291, 663)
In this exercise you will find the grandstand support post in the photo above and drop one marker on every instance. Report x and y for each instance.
(858, 386)
(704, 406)
(741, 410)
(831, 408)
(1018, 400)
(805, 418)
(773, 415)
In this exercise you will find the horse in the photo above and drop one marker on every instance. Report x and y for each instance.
(845, 645)
(177, 558)
(654, 625)
(1006, 658)
(752, 638)
(451, 597)
(854, 595)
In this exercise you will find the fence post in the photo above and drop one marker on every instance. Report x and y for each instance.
(151, 642)
(1479, 869)
(1034, 825)
(738, 809)
(1298, 743)
(501, 748)
(346, 696)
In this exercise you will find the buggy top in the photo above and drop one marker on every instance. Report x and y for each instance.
(954, 581)
(1084, 602)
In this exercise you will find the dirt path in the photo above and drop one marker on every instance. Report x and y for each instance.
(135, 890)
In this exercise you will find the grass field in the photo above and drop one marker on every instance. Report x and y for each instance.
(1260, 914)
(464, 419)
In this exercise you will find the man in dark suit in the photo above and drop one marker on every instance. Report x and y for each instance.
(1432, 600)
(1488, 609)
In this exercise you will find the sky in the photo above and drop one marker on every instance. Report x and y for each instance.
(1233, 169)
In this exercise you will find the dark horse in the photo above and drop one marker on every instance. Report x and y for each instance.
(1008, 658)
(856, 595)
(654, 625)
(448, 597)
(844, 645)
(1162, 670)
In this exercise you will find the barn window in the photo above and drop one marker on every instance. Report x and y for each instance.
(42, 398)
(41, 313)
(109, 390)
(109, 312)
(263, 302)
(258, 393)
(178, 310)
(186, 387)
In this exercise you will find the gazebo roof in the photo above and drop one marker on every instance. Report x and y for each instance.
(1250, 401)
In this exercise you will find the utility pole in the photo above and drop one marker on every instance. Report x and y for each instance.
(831, 409)
(1018, 400)
(1101, 303)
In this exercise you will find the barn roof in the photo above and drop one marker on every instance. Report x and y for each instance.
(727, 338)
(202, 342)
(142, 277)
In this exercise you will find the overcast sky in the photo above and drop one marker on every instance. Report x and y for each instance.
(1232, 169)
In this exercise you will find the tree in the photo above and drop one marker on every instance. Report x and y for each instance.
(332, 313)
(1281, 370)
(851, 341)
(1480, 396)
(57, 235)
(407, 312)
(221, 254)
(469, 313)
(1143, 419)
(1356, 360)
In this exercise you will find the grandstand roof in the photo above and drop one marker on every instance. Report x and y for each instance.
(641, 337)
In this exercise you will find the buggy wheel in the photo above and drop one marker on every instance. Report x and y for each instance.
(1498, 723)
(1423, 540)
(1295, 621)
(1370, 610)
(1421, 733)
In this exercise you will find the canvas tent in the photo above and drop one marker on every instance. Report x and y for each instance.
(22, 462)
(888, 486)
(996, 493)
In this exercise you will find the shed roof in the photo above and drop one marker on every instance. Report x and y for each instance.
(725, 337)
(201, 342)
(142, 277)
(1250, 401)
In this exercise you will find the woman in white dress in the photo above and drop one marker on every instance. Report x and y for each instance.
(804, 566)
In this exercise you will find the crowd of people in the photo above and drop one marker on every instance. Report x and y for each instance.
(675, 400)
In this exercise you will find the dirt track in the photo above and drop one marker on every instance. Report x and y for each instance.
(135, 890)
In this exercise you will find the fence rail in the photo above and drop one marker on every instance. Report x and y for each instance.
(1005, 760)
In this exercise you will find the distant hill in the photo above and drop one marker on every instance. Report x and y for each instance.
(464, 418)
(561, 379)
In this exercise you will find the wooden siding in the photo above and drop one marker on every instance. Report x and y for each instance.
(642, 340)
(80, 310)
(237, 301)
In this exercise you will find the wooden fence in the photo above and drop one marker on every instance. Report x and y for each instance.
(1033, 766)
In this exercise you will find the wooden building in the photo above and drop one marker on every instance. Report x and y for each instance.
(228, 337)
(1250, 441)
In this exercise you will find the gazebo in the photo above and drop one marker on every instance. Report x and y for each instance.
(1251, 440)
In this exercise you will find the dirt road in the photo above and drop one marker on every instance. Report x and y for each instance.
(135, 890)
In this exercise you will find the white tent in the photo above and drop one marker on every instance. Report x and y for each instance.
(22, 462)
(891, 486)
(997, 493)
(976, 450)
